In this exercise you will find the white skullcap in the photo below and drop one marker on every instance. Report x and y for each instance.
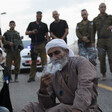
(58, 43)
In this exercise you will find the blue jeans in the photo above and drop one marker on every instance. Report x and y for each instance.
(3, 109)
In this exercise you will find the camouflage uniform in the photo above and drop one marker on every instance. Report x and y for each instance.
(104, 42)
(12, 53)
(86, 49)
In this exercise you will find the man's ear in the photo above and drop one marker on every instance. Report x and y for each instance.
(67, 51)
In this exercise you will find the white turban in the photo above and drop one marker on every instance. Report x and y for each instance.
(58, 43)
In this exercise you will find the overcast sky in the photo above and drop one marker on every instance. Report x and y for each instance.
(24, 11)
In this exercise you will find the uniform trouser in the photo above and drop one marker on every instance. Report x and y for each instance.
(36, 107)
(13, 56)
(88, 52)
(38, 50)
(105, 48)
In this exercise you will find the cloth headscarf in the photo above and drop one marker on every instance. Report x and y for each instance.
(58, 43)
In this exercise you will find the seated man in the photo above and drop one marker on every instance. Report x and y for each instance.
(75, 84)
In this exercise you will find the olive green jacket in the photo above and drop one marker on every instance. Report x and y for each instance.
(85, 30)
(12, 36)
(100, 25)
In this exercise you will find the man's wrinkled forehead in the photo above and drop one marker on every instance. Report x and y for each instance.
(54, 48)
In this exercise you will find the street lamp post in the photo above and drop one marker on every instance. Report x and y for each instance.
(2, 13)
(0, 28)
(0, 18)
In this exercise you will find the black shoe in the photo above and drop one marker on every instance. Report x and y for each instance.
(30, 80)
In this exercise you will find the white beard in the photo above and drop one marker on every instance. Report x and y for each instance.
(62, 62)
(56, 65)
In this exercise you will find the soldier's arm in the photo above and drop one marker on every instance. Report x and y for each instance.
(51, 33)
(110, 27)
(53, 36)
(47, 37)
(65, 34)
(30, 32)
(79, 35)
(5, 41)
(66, 30)
(94, 28)
(46, 33)
(20, 41)
(92, 37)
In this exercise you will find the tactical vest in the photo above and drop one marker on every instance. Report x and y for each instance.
(13, 36)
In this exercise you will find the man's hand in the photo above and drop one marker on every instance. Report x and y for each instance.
(93, 44)
(11, 43)
(109, 28)
(34, 31)
(85, 39)
(45, 81)
(75, 110)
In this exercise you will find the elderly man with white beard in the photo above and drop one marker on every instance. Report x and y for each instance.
(74, 84)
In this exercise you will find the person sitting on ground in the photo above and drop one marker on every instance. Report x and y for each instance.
(74, 83)
(2, 109)
(4, 86)
(2, 58)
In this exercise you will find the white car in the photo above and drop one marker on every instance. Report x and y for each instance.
(26, 56)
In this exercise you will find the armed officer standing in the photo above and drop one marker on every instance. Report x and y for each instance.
(86, 40)
(13, 45)
(103, 27)
(38, 32)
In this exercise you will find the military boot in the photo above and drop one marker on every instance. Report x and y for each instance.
(16, 78)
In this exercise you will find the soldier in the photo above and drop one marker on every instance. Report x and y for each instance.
(86, 42)
(103, 26)
(38, 32)
(58, 28)
(13, 45)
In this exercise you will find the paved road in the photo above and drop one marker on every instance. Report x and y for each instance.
(23, 92)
